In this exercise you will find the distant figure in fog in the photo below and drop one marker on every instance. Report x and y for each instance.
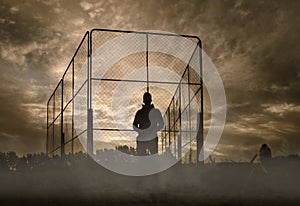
(265, 153)
(147, 122)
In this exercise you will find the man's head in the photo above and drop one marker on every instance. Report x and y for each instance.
(147, 98)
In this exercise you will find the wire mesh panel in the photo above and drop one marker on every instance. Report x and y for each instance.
(68, 128)
(80, 111)
(61, 107)
(57, 133)
(81, 64)
(80, 95)
(49, 146)
(118, 67)
(50, 118)
(126, 65)
(169, 54)
(79, 143)
(107, 78)
(68, 85)
(67, 108)
(54, 127)
(58, 100)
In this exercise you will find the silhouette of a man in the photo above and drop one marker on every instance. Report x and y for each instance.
(147, 122)
(265, 153)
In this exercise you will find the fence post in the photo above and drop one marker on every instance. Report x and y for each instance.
(90, 139)
(62, 148)
(179, 145)
(62, 138)
(90, 132)
(47, 132)
(199, 160)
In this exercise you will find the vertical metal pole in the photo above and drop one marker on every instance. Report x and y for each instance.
(89, 102)
(169, 118)
(53, 125)
(189, 111)
(90, 69)
(47, 136)
(200, 134)
(90, 132)
(199, 138)
(62, 138)
(174, 119)
(73, 107)
(147, 62)
(179, 143)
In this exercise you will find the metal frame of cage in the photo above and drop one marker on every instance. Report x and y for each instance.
(60, 136)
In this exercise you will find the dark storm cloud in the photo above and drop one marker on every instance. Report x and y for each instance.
(253, 44)
(27, 52)
(18, 131)
(17, 27)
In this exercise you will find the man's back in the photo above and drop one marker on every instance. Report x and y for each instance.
(147, 122)
(142, 120)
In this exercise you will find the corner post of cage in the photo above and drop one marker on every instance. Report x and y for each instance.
(89, 97)
(53, 128)
(62, 137)
(169, 124)
(189, 113)
(47, 133)
(179, 141)
(200, 159)
(73, 107)
(174, 126)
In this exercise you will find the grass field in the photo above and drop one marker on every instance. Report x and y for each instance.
(78, 180)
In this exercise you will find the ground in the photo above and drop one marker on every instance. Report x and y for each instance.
(78, 180)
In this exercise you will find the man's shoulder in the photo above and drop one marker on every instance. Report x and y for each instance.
(155, 110)
(139, 111)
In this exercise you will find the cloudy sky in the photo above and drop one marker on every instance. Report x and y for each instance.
(254, 45)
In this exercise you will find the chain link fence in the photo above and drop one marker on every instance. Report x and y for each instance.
(103, 87)
(67, 106)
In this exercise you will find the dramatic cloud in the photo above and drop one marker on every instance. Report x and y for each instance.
(253, 44)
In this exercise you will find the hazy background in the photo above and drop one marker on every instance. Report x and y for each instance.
(254, 45)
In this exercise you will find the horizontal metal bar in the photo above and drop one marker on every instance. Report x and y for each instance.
(68, 141)
(185, 106)
(54, 91)
(140, 81)
(86, 34)
(189, 102)
(114, 129)
(70, 64)
(54, 120)
(131, 130)
(149, 33)
(69, 102)
(73, 138)
(72, 59)
(54, 150)
(76, 93)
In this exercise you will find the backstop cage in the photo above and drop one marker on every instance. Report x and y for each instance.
(93, 106)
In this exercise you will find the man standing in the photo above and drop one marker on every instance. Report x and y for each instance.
(148, 120)
(265, 153)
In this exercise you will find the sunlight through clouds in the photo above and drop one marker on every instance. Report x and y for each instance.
(253, 45)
